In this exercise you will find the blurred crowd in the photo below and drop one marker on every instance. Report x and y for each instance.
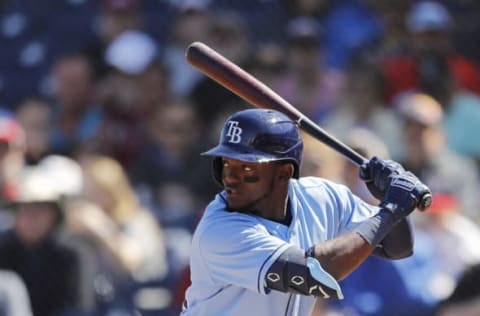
(102, 122)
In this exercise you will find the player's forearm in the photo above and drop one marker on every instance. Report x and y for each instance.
(340, 256)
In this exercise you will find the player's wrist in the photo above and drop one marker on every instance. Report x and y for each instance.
(377, 227)
(310, 252)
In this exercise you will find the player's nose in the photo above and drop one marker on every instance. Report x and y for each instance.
(230, 175)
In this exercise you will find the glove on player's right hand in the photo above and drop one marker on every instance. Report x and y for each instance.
(403, 194)
(377, 174)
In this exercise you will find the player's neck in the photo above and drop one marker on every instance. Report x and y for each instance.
(278, 213)
(287, 220)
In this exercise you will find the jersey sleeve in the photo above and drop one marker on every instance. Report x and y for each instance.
(354, 210)
(350, 209)
(238, 250)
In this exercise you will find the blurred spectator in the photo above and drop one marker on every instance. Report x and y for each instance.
(350, 27)
(267, 62)
(320, 160)
(122, 93)
(260, 17)
(308, 82)
(461, 107)
(32, 35)
(169, 164)
(14, 300)
(444, 246)
(76, 113)
(455, 238)
(145, 75)
(32, 247)
(361, 104)
(394, 35)
(430, 24)
(12, 149)
(122, 241)
(465, 299)
(306, 7)
(104, 281)
(190, 22)
(227, 34)
(114, 18)
(65, 176)
(379, 287)
(36, 117)
(118, 16)
(154, 87)
(466, 32)
(428, 156)
(127, 229)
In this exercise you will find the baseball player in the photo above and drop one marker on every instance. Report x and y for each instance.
(270, 243)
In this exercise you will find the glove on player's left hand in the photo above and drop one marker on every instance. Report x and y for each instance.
(403, 194)
(377, 174)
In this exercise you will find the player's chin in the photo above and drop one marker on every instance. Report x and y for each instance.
(236, 203)
(233, 204)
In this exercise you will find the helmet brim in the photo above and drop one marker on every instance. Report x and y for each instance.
(241, 154)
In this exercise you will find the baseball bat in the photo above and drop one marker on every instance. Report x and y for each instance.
(260, 95)
(255, 92)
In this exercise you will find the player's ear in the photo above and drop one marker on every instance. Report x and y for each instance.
(286, 171)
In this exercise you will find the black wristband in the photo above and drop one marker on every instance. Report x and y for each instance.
(310, 252)
(377, 227)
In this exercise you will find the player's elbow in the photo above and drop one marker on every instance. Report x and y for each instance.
(294, 273)
(392, 255)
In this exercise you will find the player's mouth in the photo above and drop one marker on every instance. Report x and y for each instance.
(234, 194)
(231, 191)
(235, 200)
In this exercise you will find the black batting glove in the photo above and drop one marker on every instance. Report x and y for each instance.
(377, 175)
(403, 194)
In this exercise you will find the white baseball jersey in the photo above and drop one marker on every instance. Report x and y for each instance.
(231, 251)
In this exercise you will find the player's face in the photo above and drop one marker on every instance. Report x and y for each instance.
(248, 185)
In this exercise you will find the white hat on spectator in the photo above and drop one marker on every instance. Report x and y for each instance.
(66, 174)
(131, 52)
(428, 15)
(52, 179)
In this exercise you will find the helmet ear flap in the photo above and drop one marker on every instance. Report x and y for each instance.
(217, 170)
(296, 170)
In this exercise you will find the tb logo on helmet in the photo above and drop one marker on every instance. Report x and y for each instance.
(234, 132)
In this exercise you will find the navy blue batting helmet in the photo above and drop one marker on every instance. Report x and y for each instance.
(258, 135)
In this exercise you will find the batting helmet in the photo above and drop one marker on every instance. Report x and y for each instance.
(258, 135)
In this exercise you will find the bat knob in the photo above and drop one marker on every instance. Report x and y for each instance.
(425, 201)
